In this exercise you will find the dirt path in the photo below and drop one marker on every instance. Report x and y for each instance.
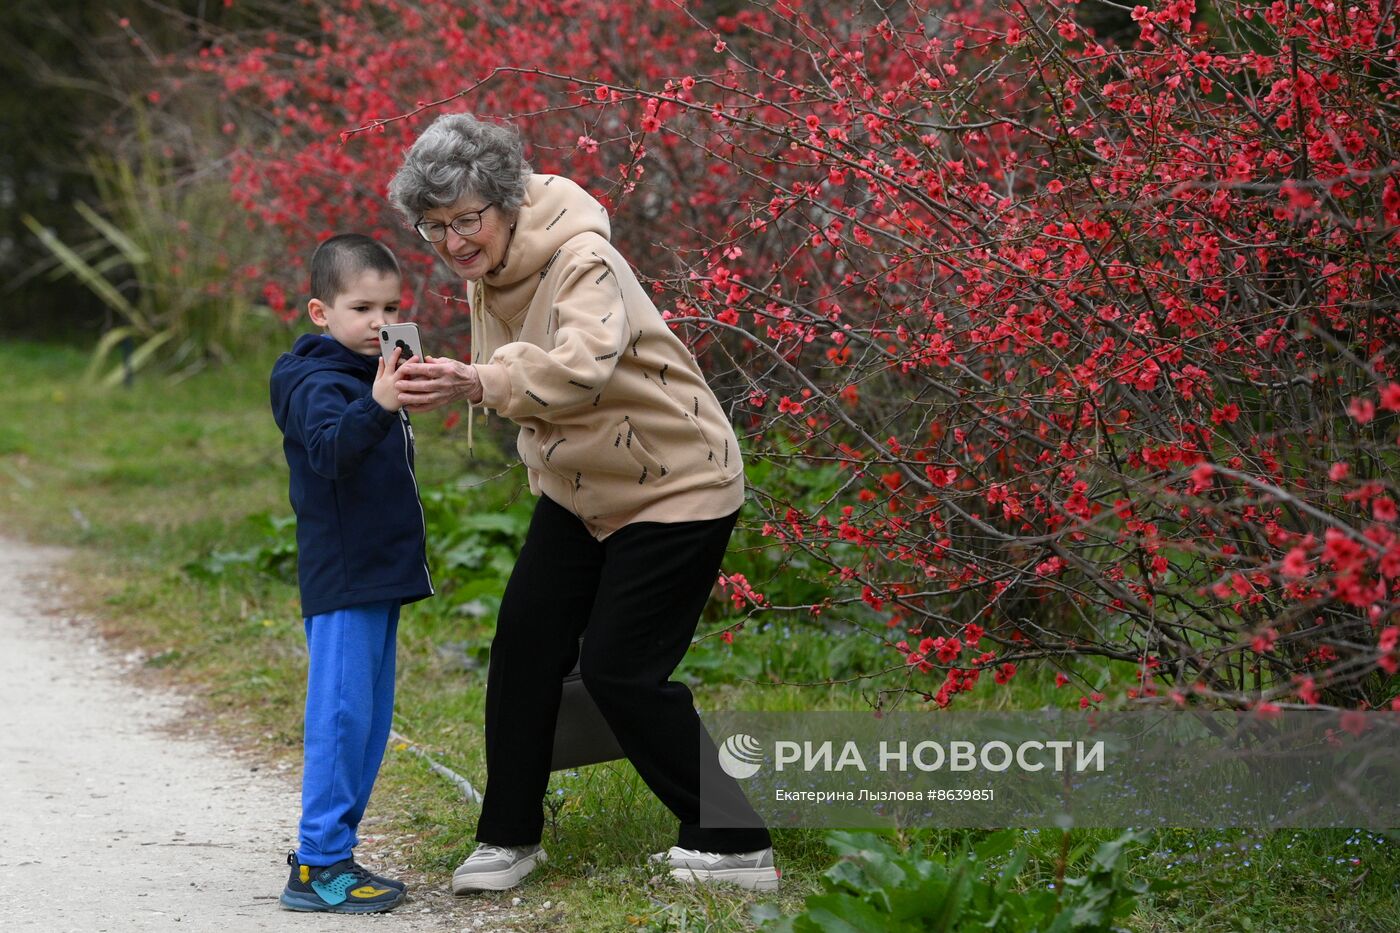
(108, 822)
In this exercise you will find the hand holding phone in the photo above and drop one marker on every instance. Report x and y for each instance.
(385, 390)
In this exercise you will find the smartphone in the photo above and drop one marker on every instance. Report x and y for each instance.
(403, 336)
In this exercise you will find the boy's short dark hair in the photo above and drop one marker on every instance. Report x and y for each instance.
(341, 258)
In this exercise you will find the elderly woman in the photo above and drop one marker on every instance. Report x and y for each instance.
(639, 482)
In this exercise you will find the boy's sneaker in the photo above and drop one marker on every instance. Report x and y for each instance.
(342, 888)
(496, 868)
(752, 870)
(374, 878)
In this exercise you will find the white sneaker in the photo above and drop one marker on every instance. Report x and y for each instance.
(752, 870)
(496, 868)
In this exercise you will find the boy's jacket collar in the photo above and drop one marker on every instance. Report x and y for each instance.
(314, 353)
(329, 353)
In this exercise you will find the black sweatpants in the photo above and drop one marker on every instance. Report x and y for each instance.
(639, 594)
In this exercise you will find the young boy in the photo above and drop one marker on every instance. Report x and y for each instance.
(361, 555)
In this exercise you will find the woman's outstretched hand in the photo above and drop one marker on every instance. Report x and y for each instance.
(435, 382)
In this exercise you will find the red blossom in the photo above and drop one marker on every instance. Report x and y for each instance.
(1295, 563)
(1362, 409)
(1201, 478)
(1390, 397)
(1354, 722)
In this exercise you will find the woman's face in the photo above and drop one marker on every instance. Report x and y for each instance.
(473, 255)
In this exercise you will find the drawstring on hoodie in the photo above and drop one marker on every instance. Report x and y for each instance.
(478, 319)
(478, 298)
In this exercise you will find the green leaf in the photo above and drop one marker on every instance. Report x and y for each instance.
(468, 555)
(1062, 923)
(854, 843)
(1110, 852)
(1011, 871)
(128, 248)
(839, 913)
(947, 914)
(85, 273)
(139, 357)
(104, 346)
(996, 845)
(770, 920)
(869, 874)
(870, 864)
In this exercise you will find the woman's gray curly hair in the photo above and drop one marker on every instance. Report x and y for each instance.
(458, 155)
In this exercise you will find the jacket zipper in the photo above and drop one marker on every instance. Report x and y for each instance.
(417, 495)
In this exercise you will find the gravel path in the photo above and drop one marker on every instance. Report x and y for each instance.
(109, 822)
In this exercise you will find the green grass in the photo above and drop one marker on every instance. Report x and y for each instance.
(151, 484)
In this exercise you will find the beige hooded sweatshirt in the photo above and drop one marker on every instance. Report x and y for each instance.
(616, 422)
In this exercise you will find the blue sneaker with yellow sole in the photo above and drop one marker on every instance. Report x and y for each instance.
(377, 879)
(343, 888)
(374, 879)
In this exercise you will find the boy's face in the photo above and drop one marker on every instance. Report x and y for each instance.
(367, 301)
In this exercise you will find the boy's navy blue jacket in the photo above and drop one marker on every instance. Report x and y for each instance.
(361, 536)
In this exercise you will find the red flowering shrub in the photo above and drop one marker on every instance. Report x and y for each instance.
(1100, 332)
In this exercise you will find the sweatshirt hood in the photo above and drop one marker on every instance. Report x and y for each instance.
(555, 211)
(314, 353)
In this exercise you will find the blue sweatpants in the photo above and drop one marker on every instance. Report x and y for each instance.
(349, 710)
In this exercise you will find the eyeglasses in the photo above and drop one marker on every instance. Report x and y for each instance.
(463, 225)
